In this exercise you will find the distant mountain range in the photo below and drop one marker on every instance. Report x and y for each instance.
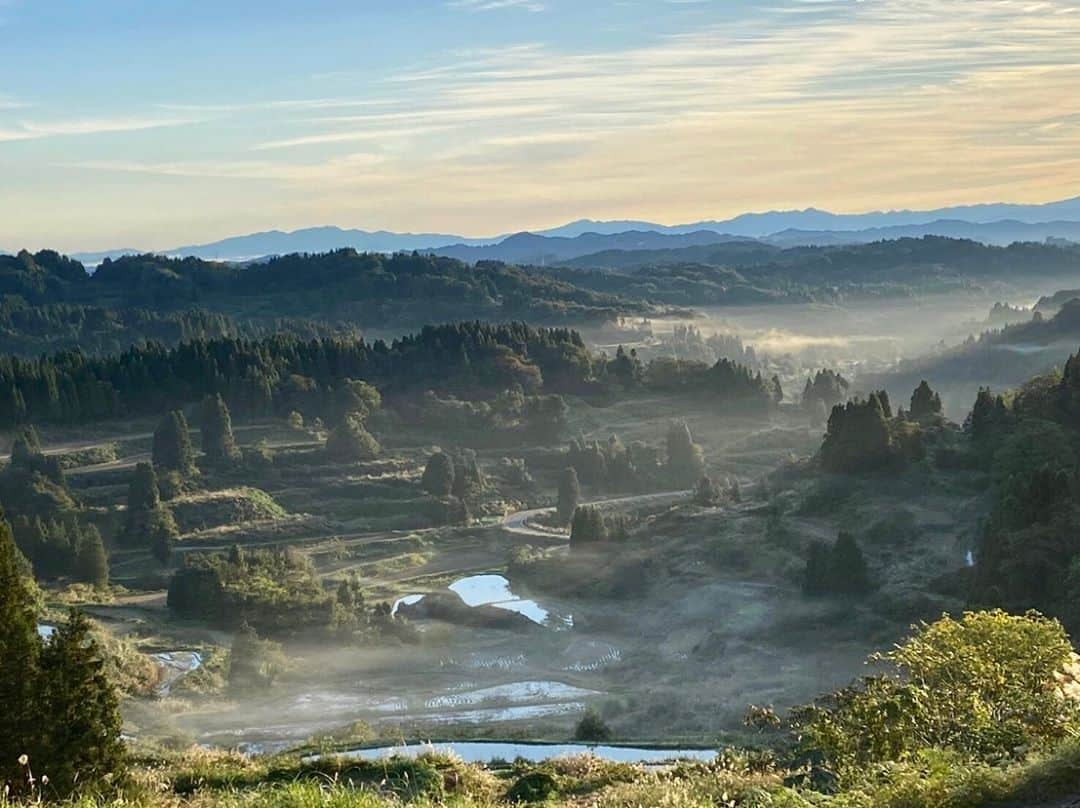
(991, 224)
(530, 248)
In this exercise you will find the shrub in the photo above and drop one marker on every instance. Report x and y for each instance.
(987, 685)
(592, 728)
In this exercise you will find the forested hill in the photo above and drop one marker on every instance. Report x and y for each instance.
(369, 290)
(1002, 357)
(750, 272)
(283, 373)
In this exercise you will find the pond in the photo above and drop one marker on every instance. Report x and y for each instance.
(175, 665)
(494, 590)
(487, 751)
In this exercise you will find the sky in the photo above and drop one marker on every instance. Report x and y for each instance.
(160, 123)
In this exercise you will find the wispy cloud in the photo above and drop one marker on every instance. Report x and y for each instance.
(845, 104)
(29, 130)
(497, 5)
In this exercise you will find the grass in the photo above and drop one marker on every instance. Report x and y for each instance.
(227, 507)
(934, 778)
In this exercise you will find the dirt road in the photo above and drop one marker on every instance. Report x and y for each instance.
(518, 522)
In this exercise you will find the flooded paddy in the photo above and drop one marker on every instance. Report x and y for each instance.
(493, 590)
(489, 751)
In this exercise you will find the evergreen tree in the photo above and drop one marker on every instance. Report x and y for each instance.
(886, 405)
(587, 529)
(439, 474)
(849, 571)
(686, 463)
(837, 570)
(20, 651)
(163, 536)
(857, 438)
(346, 597)
(218, 442)
(91, 561)
(82, 732)
(989, 415)
(626, 368)
(468, 478)
(827, 388)
(172, 445)
(707, 492)
(817, 576)
(143, 492)
(25, 447)
(150, 524)
(56, 551)
(569, 495)
(924, 402)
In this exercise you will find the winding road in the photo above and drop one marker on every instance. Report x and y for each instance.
(518, 522)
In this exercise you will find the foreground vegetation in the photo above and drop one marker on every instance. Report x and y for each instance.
(973, 712)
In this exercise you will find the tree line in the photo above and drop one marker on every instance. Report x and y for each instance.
(284, 373)
(339, 286)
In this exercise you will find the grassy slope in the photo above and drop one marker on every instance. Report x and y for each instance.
(200, 779)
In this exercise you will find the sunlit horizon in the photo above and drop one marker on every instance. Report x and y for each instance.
(126, 126)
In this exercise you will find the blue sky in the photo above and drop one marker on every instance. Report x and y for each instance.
(155, 123)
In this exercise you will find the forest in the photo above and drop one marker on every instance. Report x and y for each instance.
(254, 551)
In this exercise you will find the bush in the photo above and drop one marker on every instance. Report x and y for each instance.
(351, 443)
(988, 685)
(592, 728)
(536, 786)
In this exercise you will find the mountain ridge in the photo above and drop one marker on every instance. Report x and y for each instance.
(778, 226)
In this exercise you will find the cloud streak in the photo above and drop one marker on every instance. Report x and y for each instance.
(850, 105)
(28, 130)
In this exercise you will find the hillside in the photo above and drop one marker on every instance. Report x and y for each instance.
(49, 295)
(1000, 358)
(737, 273)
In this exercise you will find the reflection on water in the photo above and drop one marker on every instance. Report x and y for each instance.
(45, 631)
(408, 600)
(487, 751)
(494, 590)
(175, 665)
(512, 692)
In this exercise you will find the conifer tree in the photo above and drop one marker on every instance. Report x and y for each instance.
(20, 651)
(25, 447)
(817, 576)
(218, 442)
(707, 492)
(924, 402)
(987, 416)
(163, 537)
(686, 463)
(468, 478)
(849, 571)
(569, 495)
(172, 445)
(587, 529)
(439, 474)
(150, 524)
(91, 561)
(143, 492)
(82, 732)
(839, 569)
(857, 438)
